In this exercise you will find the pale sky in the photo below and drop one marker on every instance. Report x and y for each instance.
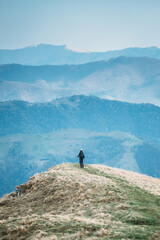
(82, 25)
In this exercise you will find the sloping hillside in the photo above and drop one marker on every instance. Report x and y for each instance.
(91, 113)
(96, 202)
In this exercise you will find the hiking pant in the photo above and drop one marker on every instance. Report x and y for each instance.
(81, 162)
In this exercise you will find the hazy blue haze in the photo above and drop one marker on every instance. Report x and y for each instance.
(126, 79)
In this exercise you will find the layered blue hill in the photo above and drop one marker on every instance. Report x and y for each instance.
(92, 113)
(50, 54)
(125, 79)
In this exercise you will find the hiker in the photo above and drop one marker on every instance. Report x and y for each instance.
(81, 157)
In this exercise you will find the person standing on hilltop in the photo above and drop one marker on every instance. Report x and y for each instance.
(81, 157)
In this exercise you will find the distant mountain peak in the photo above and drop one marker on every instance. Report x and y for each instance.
(43, 45)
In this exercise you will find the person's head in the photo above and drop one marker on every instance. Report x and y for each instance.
(80, 150)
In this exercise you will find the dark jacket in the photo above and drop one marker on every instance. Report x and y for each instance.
(81, 155)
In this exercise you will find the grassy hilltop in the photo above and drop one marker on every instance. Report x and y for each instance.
(97, 202)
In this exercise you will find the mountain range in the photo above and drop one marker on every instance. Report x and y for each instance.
(54, 101)
(44, 54)
(91, 113)
(125, 79)
(35, 136)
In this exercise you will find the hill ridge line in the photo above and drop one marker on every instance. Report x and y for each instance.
(68, 202)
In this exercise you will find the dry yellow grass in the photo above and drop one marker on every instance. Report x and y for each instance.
(72, 203)
(143, 181)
